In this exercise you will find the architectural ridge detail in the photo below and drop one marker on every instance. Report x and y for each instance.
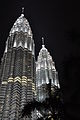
(21, 24)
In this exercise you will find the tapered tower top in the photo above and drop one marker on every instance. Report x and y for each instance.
(21, 24)
(21, 34)
(44, 54)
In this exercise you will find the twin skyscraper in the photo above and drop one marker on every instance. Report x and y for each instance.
(23, 79)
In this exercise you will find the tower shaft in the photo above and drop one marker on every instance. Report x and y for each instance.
(17, 72)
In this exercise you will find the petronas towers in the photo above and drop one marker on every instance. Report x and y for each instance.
(22, 79)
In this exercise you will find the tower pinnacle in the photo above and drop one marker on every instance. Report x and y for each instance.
(43, 42)
(22, 10)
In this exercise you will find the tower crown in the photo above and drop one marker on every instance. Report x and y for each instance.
(21, 35)
(44, 55)
(21, 24)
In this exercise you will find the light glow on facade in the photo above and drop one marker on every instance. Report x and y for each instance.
(45, 71)
(17, 81)
(21, 78)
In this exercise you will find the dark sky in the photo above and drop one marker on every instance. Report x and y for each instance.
(59, 23)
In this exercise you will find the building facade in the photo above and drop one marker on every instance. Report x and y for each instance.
(17, 71)
(20, 77)
(45, 71)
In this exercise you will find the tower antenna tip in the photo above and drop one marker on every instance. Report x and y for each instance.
(22, 10)
(42, 40)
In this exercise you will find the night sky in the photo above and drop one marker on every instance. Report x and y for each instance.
(59, 23)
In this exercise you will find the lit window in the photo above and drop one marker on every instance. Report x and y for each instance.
(4, 82)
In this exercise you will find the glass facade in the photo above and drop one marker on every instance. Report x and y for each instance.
(17, 81)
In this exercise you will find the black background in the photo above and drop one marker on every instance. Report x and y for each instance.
(58, 21)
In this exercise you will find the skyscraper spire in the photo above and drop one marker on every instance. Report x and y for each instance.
(43, 42)
(21, 24)
(22, 10)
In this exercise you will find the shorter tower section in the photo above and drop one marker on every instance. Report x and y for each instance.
(45, 71)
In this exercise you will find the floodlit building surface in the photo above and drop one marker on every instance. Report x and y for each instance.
(45, 71)
(19, 75)
(17, 72)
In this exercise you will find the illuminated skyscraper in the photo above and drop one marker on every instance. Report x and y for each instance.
(17, 70)
(45, 71)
